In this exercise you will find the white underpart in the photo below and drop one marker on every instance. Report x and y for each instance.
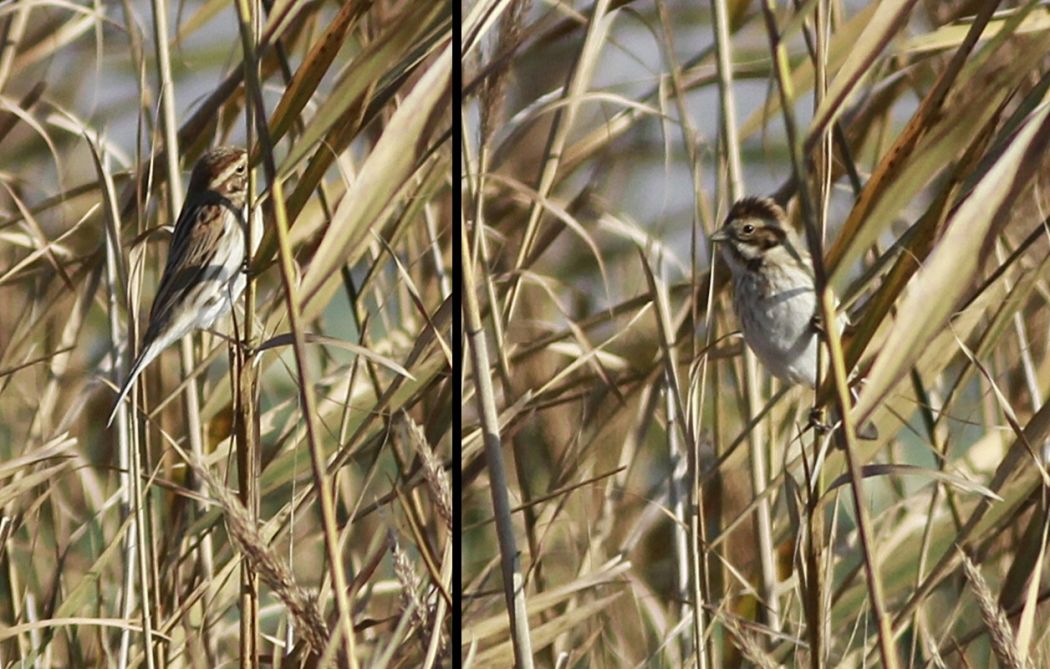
(231, 258)
(188, 320)
(776, 310)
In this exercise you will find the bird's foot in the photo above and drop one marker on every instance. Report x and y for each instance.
(817, 323)
(817, 420)
(865, 432)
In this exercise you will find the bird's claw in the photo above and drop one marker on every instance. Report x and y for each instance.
(817, 323)
(816, 420)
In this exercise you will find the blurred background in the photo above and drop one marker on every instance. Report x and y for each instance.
(656, 523)
(112, 553)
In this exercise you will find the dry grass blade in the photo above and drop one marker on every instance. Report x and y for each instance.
(880, 29)
(871, 471)
(57, 448)
(546, 633)
(15, 630)
(310, 73)
(561, 126)
(419, 20)
(385, 172)
(285, 339)
(951, 36)
(922, 122)
(937, 289)
(1034, 569)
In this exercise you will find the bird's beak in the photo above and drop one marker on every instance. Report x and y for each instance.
(720, 236)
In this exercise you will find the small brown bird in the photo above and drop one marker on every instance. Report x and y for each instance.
(204, 274)
(774, 292)
(773, 288)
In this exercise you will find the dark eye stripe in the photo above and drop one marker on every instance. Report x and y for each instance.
(765, 237)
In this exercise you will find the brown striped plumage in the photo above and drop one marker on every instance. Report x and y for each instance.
(762, 208)
(202, 277)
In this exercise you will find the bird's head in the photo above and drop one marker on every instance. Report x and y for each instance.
(753, 226)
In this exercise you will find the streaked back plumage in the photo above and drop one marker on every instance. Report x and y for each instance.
(202, 277)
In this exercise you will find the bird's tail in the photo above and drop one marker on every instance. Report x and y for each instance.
(145, 357)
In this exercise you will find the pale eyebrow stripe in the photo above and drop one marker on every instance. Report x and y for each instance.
(230, 169)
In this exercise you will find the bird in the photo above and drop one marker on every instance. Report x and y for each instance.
(204, 273)
(774, 291)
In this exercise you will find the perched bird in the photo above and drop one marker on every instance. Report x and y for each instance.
(204, 274)
(773, 288)
(774, 293)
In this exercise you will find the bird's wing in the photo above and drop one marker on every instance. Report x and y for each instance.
(193, 246)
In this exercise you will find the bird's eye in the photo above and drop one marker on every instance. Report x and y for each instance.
(748, 229)
(241, 168)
